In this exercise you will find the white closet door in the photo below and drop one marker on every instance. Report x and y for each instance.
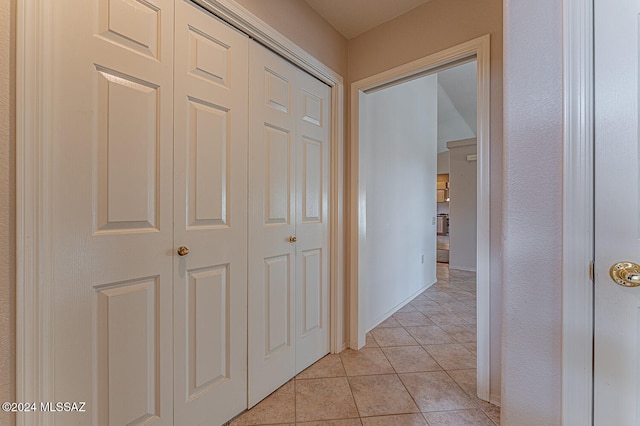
(210, 193)
(288, 188)
(111, 257)
(271, 223)
(312, 214)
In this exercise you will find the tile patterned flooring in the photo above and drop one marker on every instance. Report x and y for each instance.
(417, 368)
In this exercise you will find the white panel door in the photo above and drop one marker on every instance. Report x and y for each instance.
(312, 191)
(288, 212)
(210, 195)
(617, 219)
(271, 223)
(112, 223)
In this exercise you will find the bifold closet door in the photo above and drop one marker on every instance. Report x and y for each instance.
(110, 152)
(288, 212)
(312, 219)
(210, 196)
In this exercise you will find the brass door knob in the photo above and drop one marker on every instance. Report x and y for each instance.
(183, 251)
(293, 239)
(626, 274)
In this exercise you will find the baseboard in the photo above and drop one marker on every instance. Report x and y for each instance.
(399, 306)
(494, 399)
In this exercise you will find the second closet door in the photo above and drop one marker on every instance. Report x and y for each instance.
(288, 221)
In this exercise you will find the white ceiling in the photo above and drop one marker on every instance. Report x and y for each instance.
(353, 17)
(457, 106)
(457, 90)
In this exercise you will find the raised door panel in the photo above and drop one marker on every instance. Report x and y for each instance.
(311, 287)
(271, 223)
(128, 351)
(133, 24)
(277, 176)
(277, 306)
(208, 167)
(210, 197)
(209, 329)
(127, 160)
(312, 181)
(111, 147)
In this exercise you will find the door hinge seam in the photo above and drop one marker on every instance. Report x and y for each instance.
(591, 271)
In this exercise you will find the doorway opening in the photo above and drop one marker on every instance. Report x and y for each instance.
(361, 318)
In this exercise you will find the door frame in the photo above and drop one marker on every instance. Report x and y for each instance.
(34, 244)
(578, 213)
(479, 49)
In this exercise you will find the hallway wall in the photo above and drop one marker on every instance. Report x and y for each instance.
(533, 213)
(399, 151)
(427, 29)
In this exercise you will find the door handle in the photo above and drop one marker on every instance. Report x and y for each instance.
(183, 251)
(626, 274)
(293, 239)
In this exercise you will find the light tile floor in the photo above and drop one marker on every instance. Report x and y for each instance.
(417, 368)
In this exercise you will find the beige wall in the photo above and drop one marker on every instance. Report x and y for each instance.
(427, 29)
(301, 24)
(7, 206)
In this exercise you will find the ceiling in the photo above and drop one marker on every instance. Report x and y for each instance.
(354, 17)
(456, 86)
(457, 105)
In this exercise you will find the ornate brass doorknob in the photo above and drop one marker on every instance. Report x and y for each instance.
(293, 239)
(183, 251)
(626, 274)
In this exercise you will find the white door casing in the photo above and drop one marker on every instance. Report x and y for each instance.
(480, 49)
(288, 187)
(577, 223)
(112, 211)
(210, 218)
(617, 222)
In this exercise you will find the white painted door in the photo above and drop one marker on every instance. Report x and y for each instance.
(617, 233)
(312, 214)
(210, 218)
(288, 216)
(112, 216)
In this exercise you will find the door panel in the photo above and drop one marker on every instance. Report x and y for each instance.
(288, 184)
(210, 196)
(277, 306)
(277, 176)
(127, 134)
(311, 286)
(208, 328)
(112, 134)
(617, 225)
(312, 182)
(272, 210)
(128, 349)
(208, 171)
